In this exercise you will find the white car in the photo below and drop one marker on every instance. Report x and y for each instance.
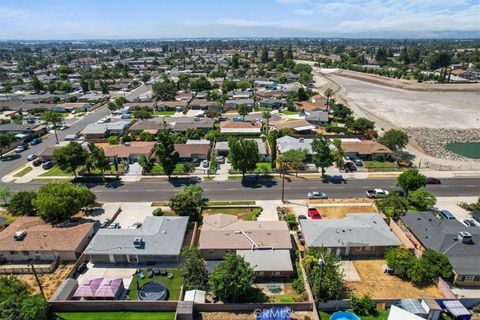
(376, 193)
(64, 127)
(205, 163)
(31, 157)
(470, 223)
(317, 195)
(19, 149)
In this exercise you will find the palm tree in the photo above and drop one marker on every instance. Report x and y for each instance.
(338, 153)
(267, 115)
(328, 93)
(54, 118)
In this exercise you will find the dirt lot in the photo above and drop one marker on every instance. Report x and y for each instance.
(50, 282)
(379, 285)
(246, 316)
(339, 212)
(412, 109)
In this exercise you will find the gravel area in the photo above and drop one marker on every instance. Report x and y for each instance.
(433, 141)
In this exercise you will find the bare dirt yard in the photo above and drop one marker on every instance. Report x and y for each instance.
(50, 281)
(379, 285)
(339, 212)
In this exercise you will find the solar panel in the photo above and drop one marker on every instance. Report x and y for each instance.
(413, 306)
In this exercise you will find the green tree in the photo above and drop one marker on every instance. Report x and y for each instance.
(232, 278)
(146, 163)
(264, 55)
(393, 205)
(37, 85)
(243, 110)
(91, 84)
(338, 153)
(294, 158)
(267, 116)
(188, 202)
(165, 151)
(395, 140)
(328, 94)
(411, 180)
(96, 159)
(142, 113)
(341, 111)
(103, 87)
(200, 84)
(58, 202)
(84, 85)
(113, 140)
(21, 204)
(362, 125)
(401, 260)
(70, 158)
(279, 57)
(243, 85)
(243, 154)
(422, 199)
(363, 306)
(165, 91)
(323, 156)
(228, 85)
(6, 140)
(289, 54)
(54, 118)
(5, 194)
(323, 274)
(194, 271)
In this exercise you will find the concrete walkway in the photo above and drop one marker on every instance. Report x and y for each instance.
(269, 212)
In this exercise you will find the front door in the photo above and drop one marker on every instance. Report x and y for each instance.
(132, 258)
(338, 252)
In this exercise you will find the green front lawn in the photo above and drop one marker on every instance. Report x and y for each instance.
(288, 113)
(158, 169)
(55, 172)
(173, 285)
(382, 315)
(23, 172)
(263, 167)
(246, 214)
(164, 113)
(164, 315)
(381, 166)
(121, 167)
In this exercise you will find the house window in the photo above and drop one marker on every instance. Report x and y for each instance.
(13, 252)
(259, 273)
(468, 278)
(25, 253)
(358, 248)
(276, 273)
(369, 248)
(210, 251)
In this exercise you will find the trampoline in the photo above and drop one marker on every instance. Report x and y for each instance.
(153, 291)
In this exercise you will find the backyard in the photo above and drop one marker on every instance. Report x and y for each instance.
(173, 284)
(116, 315)
(246, 214)
(382, 315)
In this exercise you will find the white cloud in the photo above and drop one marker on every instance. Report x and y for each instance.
(303, 12)
(241, 23)
(13, 14)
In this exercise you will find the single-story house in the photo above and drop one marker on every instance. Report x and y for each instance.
(318, 98)
(158, 240)
(269, 263)
(234, 104)
(25, 128)
(171, 105)
(240, 127)
(224, 233)
(306, 106)
(130, 152)
(201, 104)
(189, 152)
(67, 107)
(356, 235)
(30, 238)
(222, 149)
(364, 149)
(101, 131)
(272, 103)
(93, 96)
(287, 143)
(459, 243)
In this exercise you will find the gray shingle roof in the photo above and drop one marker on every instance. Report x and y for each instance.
(161, 236)
(440, 235)
(268, 260)
(356, 229)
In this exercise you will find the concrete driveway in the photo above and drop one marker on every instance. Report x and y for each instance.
(451, 204)
(131, 212)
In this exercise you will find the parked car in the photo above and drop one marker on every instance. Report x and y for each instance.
(301, 239)
(105, 223)
(205, 163)
(47, 165)
(114, 225)
(358, 162)
(317, 195)
(19, 149)
(35, 141)
(314, 214)
(221, 159)
(126, 116)
(31, 157)
(10, 157)
(376, 193)
(431, 180)
(447, 215)
(196, 162)
(301, 217)
(137, 225)
(37, 162)
(469, 222)
(350, 167)
(64, 127)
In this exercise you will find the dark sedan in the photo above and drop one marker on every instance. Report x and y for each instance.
(431, 180)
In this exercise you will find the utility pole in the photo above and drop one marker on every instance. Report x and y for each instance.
(282, 163)
(37, 279)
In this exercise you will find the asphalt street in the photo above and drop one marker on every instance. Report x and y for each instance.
(7, 166)
(156, 190)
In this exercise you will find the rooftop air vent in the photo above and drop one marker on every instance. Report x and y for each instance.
(465, 237)
(138, 242)
(20, 235)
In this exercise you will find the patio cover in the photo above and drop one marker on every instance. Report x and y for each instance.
(88, 288)
(109, 288)
(275, 314)
(457, 309)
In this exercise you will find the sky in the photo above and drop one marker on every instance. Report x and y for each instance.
(122, 19)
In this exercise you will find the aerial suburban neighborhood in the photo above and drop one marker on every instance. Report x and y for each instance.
(236, 177)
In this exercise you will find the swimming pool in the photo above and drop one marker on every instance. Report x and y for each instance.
(343, 315)
(153, 291)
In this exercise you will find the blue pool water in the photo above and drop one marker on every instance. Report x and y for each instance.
(343, 315)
